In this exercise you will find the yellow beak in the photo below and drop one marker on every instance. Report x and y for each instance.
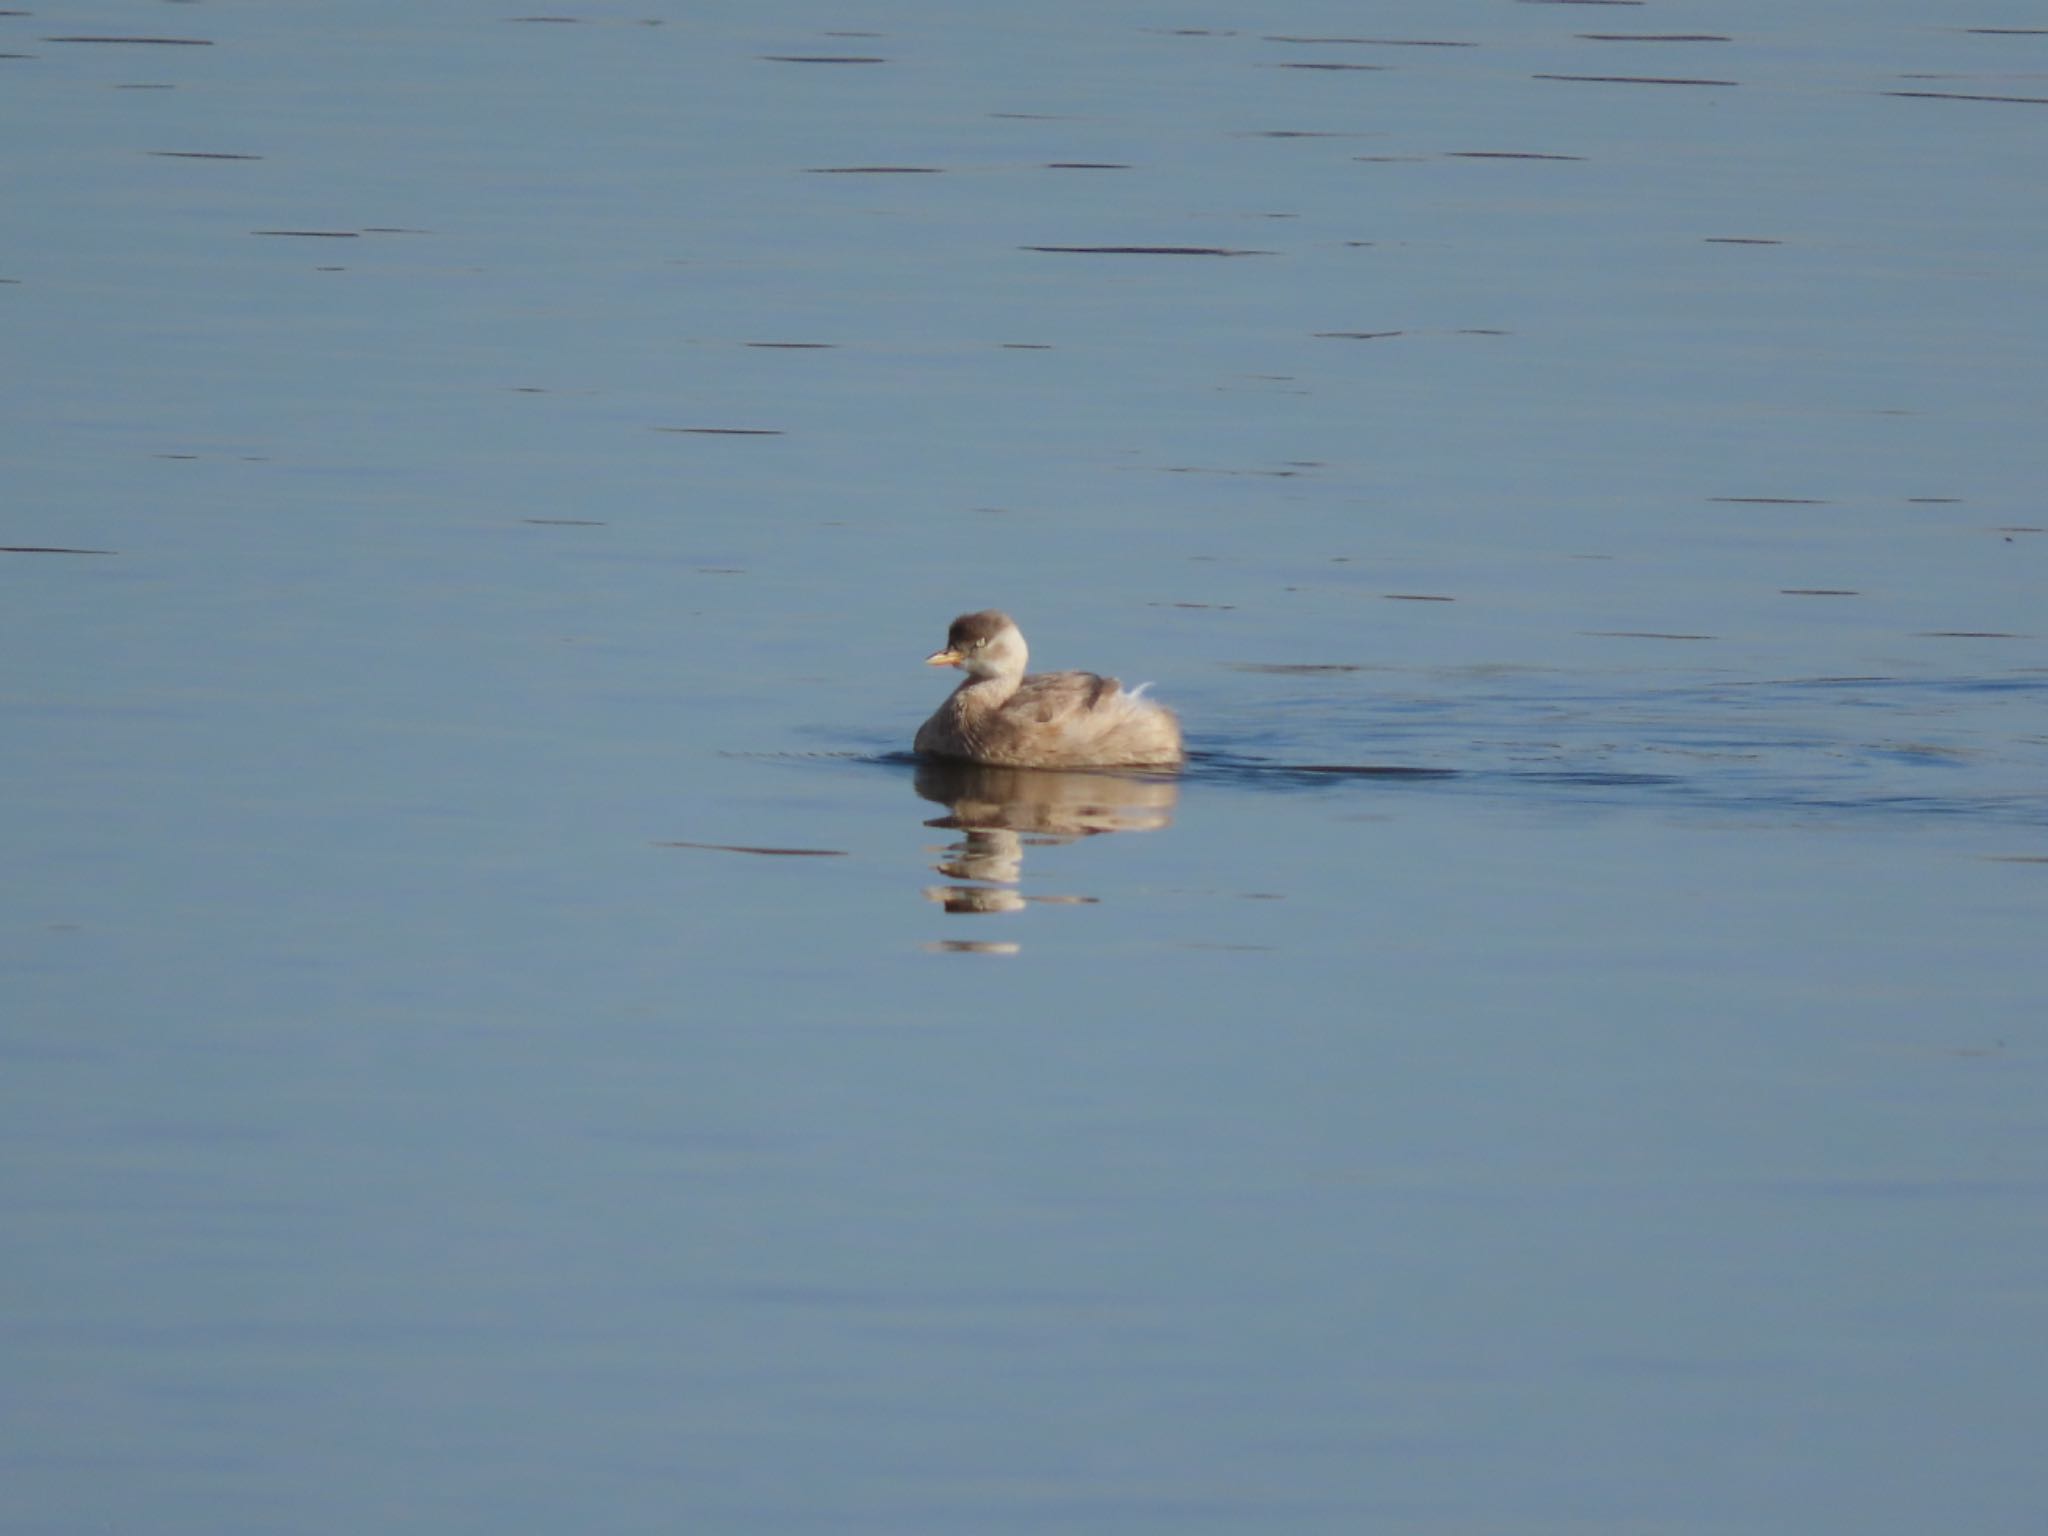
(947, 658)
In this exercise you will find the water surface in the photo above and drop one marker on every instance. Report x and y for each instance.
(498, 1031)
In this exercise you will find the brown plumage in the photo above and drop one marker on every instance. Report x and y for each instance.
(1000, 716)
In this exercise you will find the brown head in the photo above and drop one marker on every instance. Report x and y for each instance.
(985, 644)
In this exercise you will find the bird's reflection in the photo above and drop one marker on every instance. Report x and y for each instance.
(999, 812)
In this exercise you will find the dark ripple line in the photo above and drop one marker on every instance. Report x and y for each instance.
(1635, 79)
(160, 42)
(1251, 769)
(1373, 42)
(1142, 250)
(2031, 101)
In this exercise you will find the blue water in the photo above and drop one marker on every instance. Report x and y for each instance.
(495, 1030)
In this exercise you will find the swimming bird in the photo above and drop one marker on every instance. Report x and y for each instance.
(1001, 717)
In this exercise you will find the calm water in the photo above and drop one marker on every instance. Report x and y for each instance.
(498, 1034)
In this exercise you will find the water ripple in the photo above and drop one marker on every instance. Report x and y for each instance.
(1807, 748)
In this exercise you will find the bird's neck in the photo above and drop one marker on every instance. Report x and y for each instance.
(992, 691)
